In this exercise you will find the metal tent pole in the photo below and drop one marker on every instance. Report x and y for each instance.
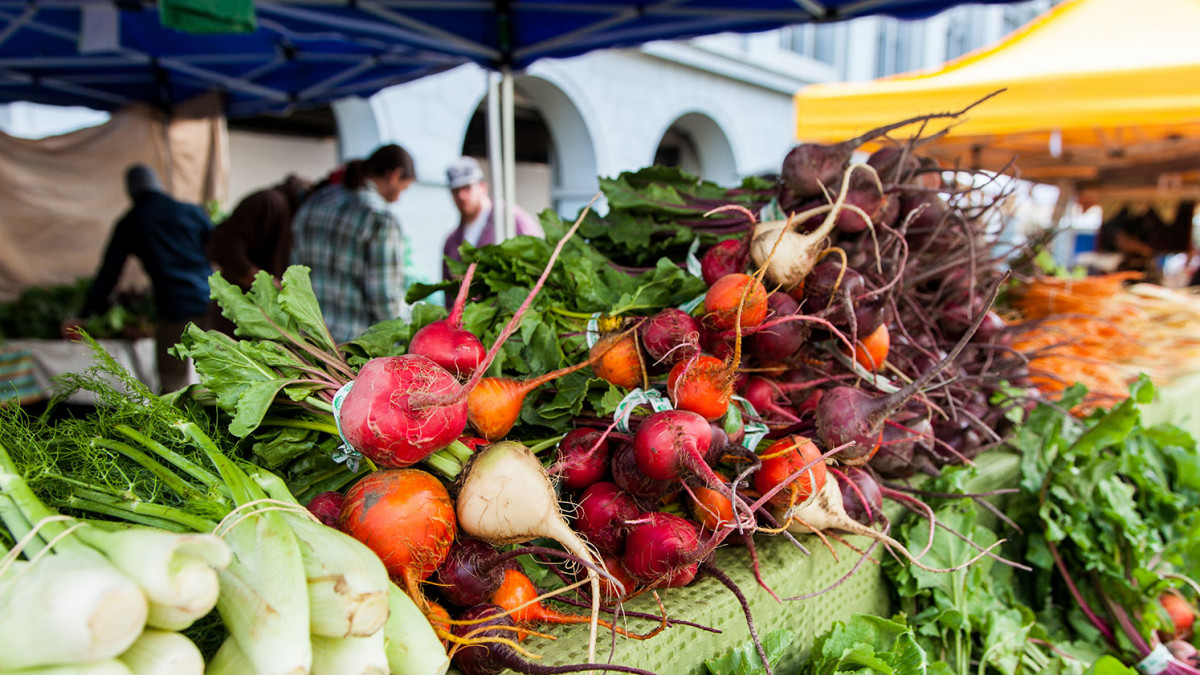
(494, 147)
(508, 134)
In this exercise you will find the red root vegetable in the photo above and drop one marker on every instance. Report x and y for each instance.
(602, 517)
(670, 336)
(861, 495)
(767, 398)
(382, 418)
(724, 258)
(407, 518)
(582, 459)
(446, 343)
(326, 506)
(661, 550)
(631, 480)
(850, 415)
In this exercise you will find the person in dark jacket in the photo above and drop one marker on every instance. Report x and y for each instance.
(256, 236)
(168, 237)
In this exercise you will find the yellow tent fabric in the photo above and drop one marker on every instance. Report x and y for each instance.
(1091, 86)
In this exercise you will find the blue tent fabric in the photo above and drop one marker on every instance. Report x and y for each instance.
(105, 54)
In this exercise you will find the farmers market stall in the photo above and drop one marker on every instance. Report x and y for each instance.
(667, 416)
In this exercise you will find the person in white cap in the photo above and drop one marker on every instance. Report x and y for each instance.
(477, 219)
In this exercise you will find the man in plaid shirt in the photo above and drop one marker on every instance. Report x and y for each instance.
(355, 245)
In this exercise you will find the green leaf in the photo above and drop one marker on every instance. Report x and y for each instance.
(253, 405)
(867, 643)
(249, 313)
(744, 659)
(300, 302)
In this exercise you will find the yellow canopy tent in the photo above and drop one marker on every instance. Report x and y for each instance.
(1098, 93)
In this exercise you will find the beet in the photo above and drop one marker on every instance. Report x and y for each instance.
(726, 257)
(861, 496)
(602, 515)
(466, 577)
(830, 285)
(630, 479)
(670, 336)
(446, 343)
(583, 458)
(326, 506)
(661, 549)
(780, 341)
(484, 659)
(387, 418)
(902, 437)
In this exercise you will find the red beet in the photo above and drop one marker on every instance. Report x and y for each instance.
(386, 415)
(582, 458)
(661, 549)
(727, 257)
(446, 343)
(467, 576)
(778, 342)
(630, 479)
(603, 512)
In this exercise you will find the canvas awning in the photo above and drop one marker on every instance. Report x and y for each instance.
(1098, 93)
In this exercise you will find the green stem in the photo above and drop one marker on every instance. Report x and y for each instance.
(180, 462)
(545, 443)
(273, 485)
(137, 507)
(312, 425)
(173, 482)
(90, 506)
(574, 315)
(444, 463)
(234, 477)
(17, 526)
(25, 502)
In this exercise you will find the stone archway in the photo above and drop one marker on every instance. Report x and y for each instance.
(697, 144)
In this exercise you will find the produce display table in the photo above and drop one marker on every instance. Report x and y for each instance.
(682, 650)
(57, 357)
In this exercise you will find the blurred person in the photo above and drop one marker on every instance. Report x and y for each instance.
(477, 218)
(168, 237)
(256, 236)
(354, 244)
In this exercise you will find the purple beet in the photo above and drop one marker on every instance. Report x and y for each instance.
(851, 415)
(327, 506)
(780, 341)
(630, 478)
(468, 575)
(670, 336)
(861, 496)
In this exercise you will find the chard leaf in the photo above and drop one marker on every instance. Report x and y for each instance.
(300, 302)
(744, 659)
(249, 312)
(253, 405)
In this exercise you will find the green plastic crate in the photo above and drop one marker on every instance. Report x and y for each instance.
(681, 650)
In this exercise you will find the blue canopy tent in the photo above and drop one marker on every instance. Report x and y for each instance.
(107, 53)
